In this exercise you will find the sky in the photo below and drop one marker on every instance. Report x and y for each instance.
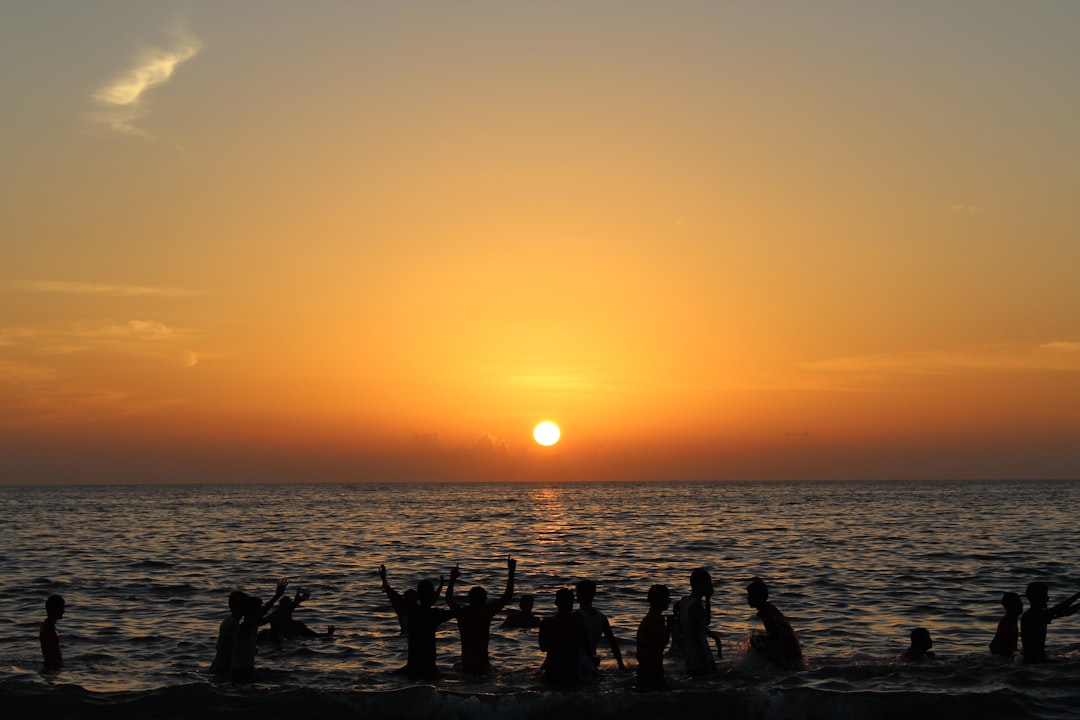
(369, 241)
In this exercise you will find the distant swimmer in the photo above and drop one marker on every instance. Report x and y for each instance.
(421, 620)
(474, 619)
(1037, 617)
(921, 642)
(227, 633)
(652, 638)
(283, 625)
(1007, 638)
(779, 644)
(694, 615)
(596, 625)
(523, 617)
(564, 640)
(48, 635)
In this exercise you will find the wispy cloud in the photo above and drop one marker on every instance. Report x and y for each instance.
(121, 102)
(102, 289)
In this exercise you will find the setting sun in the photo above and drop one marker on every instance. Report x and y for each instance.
(546, 433)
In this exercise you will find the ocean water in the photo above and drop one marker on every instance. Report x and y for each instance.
(146, 572)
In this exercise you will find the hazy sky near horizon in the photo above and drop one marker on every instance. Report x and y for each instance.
(382, 240)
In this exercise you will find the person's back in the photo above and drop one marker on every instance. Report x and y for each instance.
(423, 621)
(595, 623)
(48, 635)
(563, 638)
(474, 620)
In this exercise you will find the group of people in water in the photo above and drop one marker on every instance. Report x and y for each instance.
(570, 637)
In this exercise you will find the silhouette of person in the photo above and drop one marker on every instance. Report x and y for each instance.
(48, 635)
(474, 620)
(227, 633)
(247, 634)
(282, 624)
(779, 644)
(1035, 619)
(693, 620)
(1007, 637)
(421, 620)
(596, 626)
(563, 638)
(524, 617)
(652, 638)
(921, 643)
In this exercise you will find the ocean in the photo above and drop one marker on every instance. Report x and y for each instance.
(146, 572)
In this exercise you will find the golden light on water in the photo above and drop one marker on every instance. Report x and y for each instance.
(547, 433)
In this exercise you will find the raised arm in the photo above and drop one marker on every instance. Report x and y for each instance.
(394, 595)
(1066, 608)
(455, 573)
(508, 593)
(282, 584)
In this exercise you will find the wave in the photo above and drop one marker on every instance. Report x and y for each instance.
(209, 701)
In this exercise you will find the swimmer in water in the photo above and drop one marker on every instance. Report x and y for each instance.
(1037, 617)
(474, 619)
(921, 643)
(523, 617)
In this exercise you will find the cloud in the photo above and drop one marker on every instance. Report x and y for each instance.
(101, 289)
(1062, 346)
(121, 102)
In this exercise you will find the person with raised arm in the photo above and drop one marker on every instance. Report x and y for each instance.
(245, 644)
(474, 619)
(1037, 617)
(421, 620)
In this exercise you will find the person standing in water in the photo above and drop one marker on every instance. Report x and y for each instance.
(596, 624)
(564, 640)
(227, 633)
(474, 620)
(693, 619)
(1037, 617)
(652, 638)
(49, 637)
(1007, 638)
(421, 620)
(779, 644)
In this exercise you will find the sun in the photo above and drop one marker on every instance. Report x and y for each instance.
(546, 433)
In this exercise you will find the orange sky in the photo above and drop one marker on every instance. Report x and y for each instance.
(779, 240)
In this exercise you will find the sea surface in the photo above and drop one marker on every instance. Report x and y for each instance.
(146, 572)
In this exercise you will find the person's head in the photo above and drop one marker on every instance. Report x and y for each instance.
(1012, 603)
(477, 597)
(526, 603)
(285, 603)
(920, 639)
(425, 592)
(586, 592)
(659, 597)
(564, 599)
(253, 607)
(409, 596)
(237, 603)
(757, 592)
(1038, 594)
(54, 607)
(701, 583)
